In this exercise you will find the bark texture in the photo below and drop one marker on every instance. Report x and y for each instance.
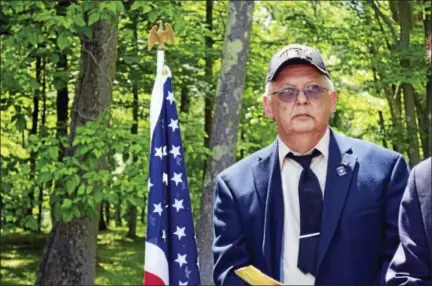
(223, 140)
(69, 257)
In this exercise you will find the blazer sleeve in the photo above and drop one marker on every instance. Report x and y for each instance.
(395, 189)
(229, 249)
(411, 264)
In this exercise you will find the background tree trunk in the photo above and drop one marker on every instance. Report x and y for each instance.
(70, 254)
(223, 140)
(62, 99)
(33, 131)
(132, 209)
(107, 213)
(102, 223)
(44, 132)
(427, 116)
(382, 128)
(118, 214)
(405, 22)
(184, 100)
(209, 99)
(132, 221)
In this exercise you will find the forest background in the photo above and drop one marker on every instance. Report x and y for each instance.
(76, 79)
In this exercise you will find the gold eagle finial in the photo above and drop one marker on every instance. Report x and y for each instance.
(158, 35)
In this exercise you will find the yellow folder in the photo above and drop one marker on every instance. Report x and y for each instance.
(253, 276)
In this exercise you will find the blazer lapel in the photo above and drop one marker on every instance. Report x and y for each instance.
(269, 189)
(340, 169)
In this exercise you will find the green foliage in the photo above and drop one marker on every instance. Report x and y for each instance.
(106, 162)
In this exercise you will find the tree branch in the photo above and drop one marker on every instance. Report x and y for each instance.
(386, 20)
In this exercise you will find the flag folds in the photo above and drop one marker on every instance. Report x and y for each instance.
(170, 248)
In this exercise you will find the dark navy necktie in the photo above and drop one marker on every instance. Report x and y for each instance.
(311, 201)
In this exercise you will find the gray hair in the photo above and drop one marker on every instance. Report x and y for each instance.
(329, 82)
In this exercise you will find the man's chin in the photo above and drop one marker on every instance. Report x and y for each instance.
(305, 127)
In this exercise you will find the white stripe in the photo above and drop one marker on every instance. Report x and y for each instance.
(157, 98)
(309, 235)
(156, 262)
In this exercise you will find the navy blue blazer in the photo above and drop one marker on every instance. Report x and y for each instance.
(359, 234)
(412, 263)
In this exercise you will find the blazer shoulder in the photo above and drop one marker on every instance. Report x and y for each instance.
(422, 175)
(424, 168)
(372, 151)
(240, 169)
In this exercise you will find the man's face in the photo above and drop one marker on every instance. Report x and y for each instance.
(302, 115)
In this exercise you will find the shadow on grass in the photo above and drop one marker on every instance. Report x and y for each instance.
(119, 260)
(20, 257)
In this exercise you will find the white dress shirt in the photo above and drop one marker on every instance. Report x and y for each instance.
(290, 175)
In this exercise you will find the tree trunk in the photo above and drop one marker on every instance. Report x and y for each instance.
(69, 257)
(107, 213)
(405, 21)
(118, 215)
(427, 116)
(33, 131)
(209, 99)
(382, 128)
(143, 214)
(223, 140)
(420, 106)
(132, 209)
(102, 223)
(132, 221)
(210, 96)
(43, 129)
(44, 133)
(2, 217)
(184, 100)
(392, 95)
(62, 99)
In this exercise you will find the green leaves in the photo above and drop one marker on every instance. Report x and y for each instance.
(71, 183)
(44, 177)
(67, 203)
(93, 18)
(63, 41)
(143, 6)
(78, 20)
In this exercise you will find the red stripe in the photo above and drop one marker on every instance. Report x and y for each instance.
(151, 279)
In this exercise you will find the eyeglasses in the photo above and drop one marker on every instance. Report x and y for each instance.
(312, 92)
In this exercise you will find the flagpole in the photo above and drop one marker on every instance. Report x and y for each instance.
(171, 254)
(160, 60)
(158, 35)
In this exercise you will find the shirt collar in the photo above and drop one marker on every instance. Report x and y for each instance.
(322, 146)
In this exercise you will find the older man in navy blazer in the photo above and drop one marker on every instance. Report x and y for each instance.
(315, 207)
(412, 263)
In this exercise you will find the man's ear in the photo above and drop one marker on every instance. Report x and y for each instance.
(333, 101)
(267, 107)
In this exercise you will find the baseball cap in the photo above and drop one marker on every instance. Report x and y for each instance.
(295, 54)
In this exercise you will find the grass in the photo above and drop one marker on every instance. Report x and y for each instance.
(120, 260)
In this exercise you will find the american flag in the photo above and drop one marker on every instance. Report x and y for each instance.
(170, 249)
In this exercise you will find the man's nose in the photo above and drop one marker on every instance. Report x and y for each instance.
(301, 98)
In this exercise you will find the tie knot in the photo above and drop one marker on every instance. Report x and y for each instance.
(304, 160)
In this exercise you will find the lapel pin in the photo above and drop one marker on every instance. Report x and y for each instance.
(341, 170)
(344, 160)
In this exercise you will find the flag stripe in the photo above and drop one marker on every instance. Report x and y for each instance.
(156, 265)
(157, 100)
(150, 279)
